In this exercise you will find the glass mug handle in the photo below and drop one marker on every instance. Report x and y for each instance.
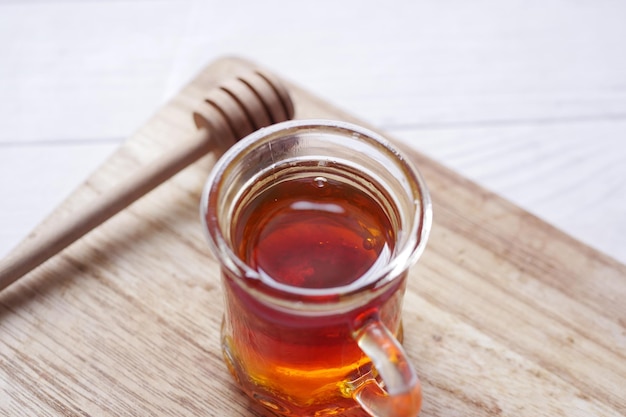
(402, 395)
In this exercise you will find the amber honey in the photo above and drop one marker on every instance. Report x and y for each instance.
(312, 232)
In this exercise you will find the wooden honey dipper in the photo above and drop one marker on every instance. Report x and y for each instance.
(233, 110)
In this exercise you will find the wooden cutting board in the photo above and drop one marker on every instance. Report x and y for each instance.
(504, 315)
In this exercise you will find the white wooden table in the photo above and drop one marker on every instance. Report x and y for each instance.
(528, 98)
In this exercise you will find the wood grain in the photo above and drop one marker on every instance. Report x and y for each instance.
(504, 314)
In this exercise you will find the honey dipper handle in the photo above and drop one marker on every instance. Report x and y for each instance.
(231, 111)
(107, 205)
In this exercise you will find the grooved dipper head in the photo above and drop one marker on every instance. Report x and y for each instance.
(244, 104)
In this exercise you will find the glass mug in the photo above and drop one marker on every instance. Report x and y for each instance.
(315, 224)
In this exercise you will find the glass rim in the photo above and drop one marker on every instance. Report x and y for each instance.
(397, 264)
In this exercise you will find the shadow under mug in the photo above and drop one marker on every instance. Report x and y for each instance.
(315, 224)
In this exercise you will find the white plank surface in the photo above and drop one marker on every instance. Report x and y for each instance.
(528, 98)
